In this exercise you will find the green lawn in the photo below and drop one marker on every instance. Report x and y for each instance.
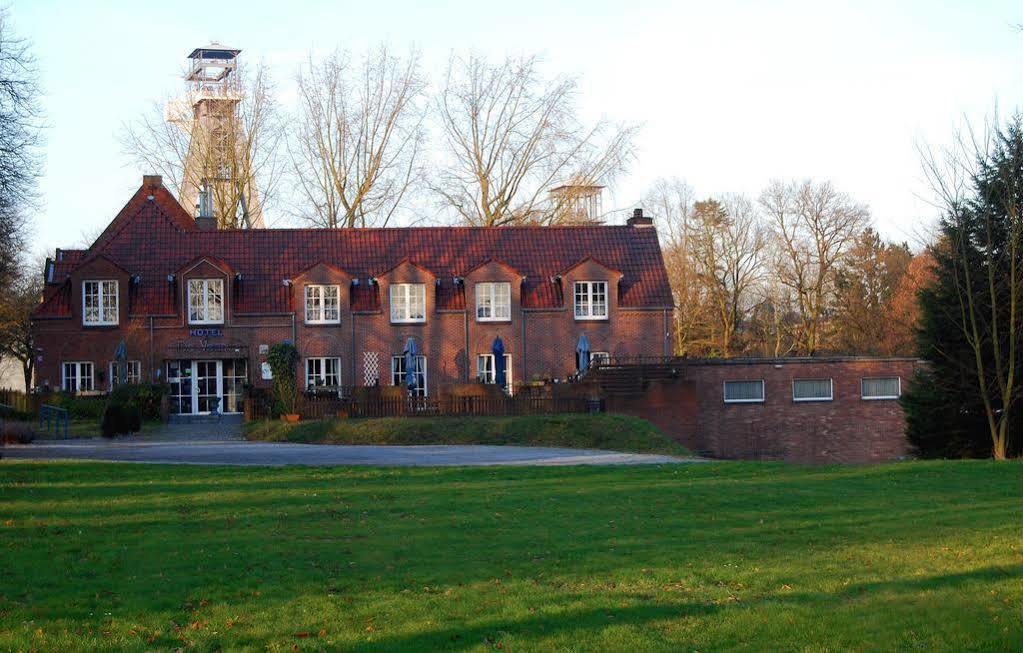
(580, 431)
(720, 556)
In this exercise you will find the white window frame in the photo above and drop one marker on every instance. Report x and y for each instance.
(594, 355)
(79, 367)
(724, 391)
(880, 397)
(423, 389)
(103, 292)
(583, 302)
(487, 373)
(319, 304)
(401, 306)
(322, 375)
(206, 284)
(487, 301)
(134, 373)
(831, 389)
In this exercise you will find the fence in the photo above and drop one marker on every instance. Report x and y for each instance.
(19, 401)
(320, 406)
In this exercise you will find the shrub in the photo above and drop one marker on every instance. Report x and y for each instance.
(120, 419)
(18, 433)
(283, 357)
(146, 398)
(89, 408)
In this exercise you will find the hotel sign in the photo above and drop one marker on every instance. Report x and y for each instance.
(206, 333)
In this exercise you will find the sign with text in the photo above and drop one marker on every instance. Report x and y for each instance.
(206, 333)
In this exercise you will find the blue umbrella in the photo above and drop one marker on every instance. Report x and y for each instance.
(582, 353)
(121, 356)
(500, 373)
(411, 360)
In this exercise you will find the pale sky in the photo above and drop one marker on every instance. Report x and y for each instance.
(731, 94)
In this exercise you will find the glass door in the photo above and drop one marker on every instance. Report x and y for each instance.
(179, 377)
(208, 386)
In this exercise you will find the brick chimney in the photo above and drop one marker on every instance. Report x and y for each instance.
(152, 181)
(639, 220)
(204, 218)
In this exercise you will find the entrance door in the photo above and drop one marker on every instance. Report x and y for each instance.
(208, 387)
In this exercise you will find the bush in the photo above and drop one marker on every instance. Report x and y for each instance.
(146, 398)
(283, 358)
(120, 419)
(18, 433)
(89, 408)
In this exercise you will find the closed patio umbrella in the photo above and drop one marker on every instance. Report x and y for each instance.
(121, 356)
(500, 373)
(582, 353)
(411, 360)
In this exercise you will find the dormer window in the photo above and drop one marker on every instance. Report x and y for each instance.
(322, 304)
(408, 302)
(590, 300)
(493, 301)
(99, 303)
(205, 301)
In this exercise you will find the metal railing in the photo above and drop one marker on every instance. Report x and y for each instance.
(53, 416)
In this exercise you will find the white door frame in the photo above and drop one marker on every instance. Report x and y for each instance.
(195, 384)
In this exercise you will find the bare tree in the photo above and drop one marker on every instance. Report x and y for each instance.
(195, 143)
(672, 201)
(17, 301)
(20, 143)
(727, 242)
(360, 131)
(510, 134)
(813, 227)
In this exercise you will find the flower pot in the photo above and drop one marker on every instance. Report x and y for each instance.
(290, 417)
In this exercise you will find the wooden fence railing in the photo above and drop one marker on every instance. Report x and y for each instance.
(318, 407)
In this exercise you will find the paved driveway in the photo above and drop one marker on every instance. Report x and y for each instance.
(220, 452)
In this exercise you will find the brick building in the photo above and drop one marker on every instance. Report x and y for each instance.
(198, 307)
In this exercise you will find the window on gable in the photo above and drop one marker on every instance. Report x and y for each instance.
(322, 373)
(591, 300)
(408, 302)
(134, 372)
(99, 303)
(811, 390)
(493, 301)
(744, 392)
(76, 376)
(322, 304)
(398, 373)
(205, 301)
(888, 387)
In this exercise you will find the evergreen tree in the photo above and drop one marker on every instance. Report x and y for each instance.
(966, 402)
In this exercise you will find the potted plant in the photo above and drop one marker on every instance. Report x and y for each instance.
(283, 359)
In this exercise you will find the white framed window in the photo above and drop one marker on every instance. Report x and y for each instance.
(487, 373)
(322, 304)
(76, 376)
(599, 357)
(744, 392)
(881, 387)
(408, 302)
(812, 390)
(398, 373)
(590, 300)
(322, 372)
(99, 303)
(134, 372)
(493, 301)
(205, 301)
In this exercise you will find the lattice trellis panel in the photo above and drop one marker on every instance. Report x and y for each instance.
(371, 367)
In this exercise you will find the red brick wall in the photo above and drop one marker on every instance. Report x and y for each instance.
(846, 429)
(540, 343)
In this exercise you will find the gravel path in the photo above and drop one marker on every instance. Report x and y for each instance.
(221, 452)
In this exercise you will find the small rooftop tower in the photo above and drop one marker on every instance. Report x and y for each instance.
(218, 161)
(577, 201)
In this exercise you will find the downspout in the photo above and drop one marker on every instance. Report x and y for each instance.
(525, 373)
(667, 334)
(467, 357)
(355, 368)
(151, 361)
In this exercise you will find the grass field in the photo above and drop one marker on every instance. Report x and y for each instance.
(580, 431)
(708, 557)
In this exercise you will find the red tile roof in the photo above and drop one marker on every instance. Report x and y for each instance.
(153, 238)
